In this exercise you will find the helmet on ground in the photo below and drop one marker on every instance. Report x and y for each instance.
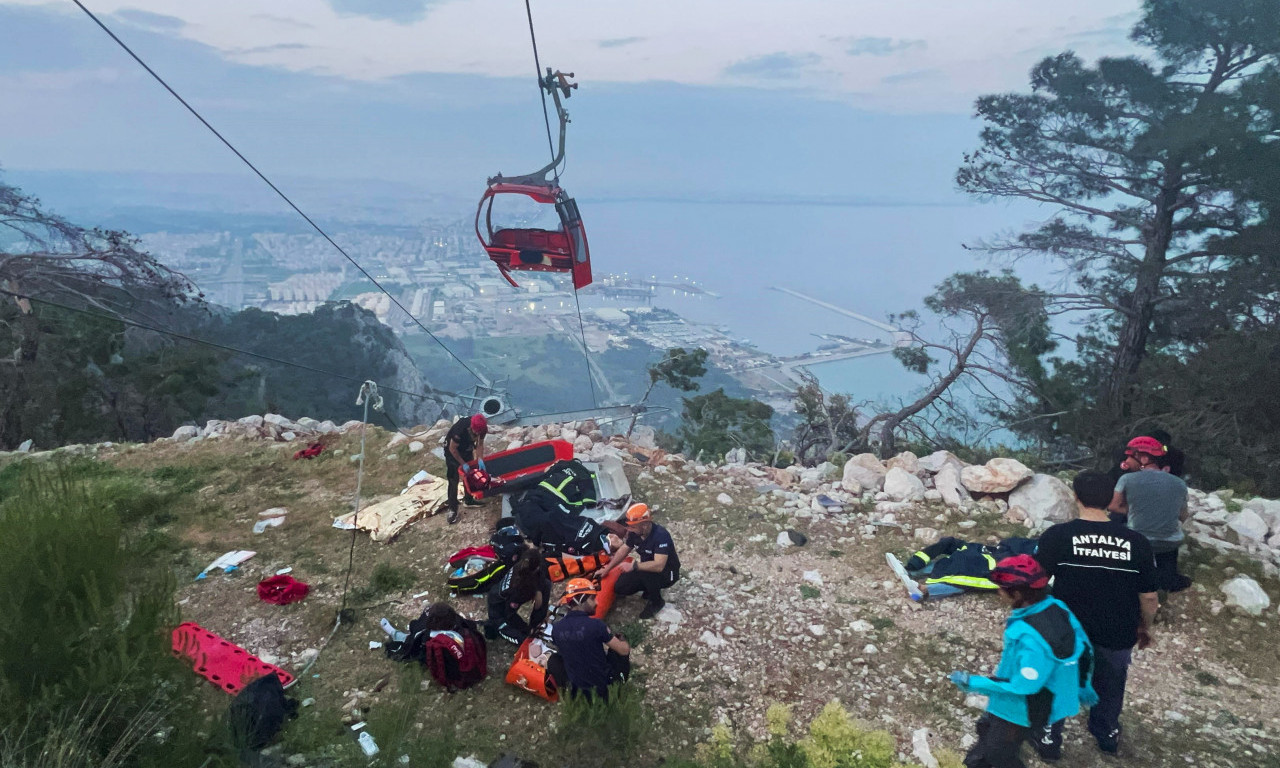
(479, 424)
(578, 588)
(1147, 445)
(638, 513)
(1020, 571)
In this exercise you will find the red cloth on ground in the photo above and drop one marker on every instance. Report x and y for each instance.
(310, 452)
(282, 590)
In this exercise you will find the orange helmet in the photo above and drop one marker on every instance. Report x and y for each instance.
(577, 588)
(638, 513)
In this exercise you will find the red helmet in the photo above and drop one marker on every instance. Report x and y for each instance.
(1147, 445)
(479, 424)
(1020, 571)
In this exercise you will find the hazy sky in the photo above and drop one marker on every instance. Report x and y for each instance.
(823, 97)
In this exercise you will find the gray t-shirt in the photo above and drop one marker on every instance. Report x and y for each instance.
(1155, 501)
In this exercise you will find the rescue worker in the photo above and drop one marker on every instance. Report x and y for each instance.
(524, 582)
(658, 566)
(594, 657)
(462, 445)
(1044, 672)
(1153, 502)
(1105, 573)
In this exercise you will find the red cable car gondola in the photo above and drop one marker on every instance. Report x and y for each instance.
(533, 249)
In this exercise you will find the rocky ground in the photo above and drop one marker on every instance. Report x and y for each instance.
(785, 595)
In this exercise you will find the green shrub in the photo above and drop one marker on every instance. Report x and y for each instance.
(590, 728)
(84, 619)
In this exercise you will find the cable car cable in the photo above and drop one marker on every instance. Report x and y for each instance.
(277, 190)
(214, 344)
(537, 70)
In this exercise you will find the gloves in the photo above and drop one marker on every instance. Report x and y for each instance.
(466, 467)
(481, 465)
(960, 680)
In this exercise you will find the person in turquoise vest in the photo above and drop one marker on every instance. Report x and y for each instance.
(1045, 671)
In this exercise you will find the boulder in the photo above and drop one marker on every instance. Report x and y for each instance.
(725, 499)
(736, 456)
(906, 461)
(644, 436)
(934, 462)
(279, 421)
(947, 482)
(307, 424)
(416, 446)
(326, 427)
(1045, 498)
(997, 476)
(398, 438)
(1249, 525)
(582, 444)
(865, 470)
(1268, 510)
(184, 433)
(1245, 594)
(902, 485)
(929, 535)
(251, 421)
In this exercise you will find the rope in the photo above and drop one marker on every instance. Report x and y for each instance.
(586, 352)
(112, 318)
(537, 70)
(277, 190)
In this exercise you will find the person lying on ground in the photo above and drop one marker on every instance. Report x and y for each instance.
(463, 444)
(1106, 574)
(594, 657)
(1153, 502)
(1043, 675)
(658, 566)
(525, 582)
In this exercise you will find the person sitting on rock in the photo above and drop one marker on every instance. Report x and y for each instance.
(658, 566)
(462, 445)
(593, 657)
(1044, 672)
(525, 582)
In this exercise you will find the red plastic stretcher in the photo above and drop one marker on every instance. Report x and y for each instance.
(519, 464)
(219, 661)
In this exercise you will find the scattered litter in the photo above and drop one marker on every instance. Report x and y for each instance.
(920, 748)
(282, 590)
(283, 571)
(271, 522)
(374, 645)
(308, 701)
(359, 725)
(829, 504)
(310, 452)
(367, 744)
(422, 476)
(420, 594)
(228, 562)
(899, 570)
(274, 512)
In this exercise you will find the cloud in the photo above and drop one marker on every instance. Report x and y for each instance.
(271, 48)
(399, 11)
(880, 46)
(911, 76)
(619, 42)
(772, 66)
(148, 19)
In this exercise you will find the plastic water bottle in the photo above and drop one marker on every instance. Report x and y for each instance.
(367, 744)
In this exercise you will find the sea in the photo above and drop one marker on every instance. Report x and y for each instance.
(870, 259)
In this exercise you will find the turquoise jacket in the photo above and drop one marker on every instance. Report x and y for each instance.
(1046, 667)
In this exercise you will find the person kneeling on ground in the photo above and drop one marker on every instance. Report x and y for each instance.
(525, 582)
(594, 658)
(659, 565)
(1044, 671)
(462, 445)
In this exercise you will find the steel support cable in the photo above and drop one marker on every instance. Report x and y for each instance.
(443, 398)
(542, 91)
(277, 190)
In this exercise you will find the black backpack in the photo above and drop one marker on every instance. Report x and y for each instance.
(258, 713)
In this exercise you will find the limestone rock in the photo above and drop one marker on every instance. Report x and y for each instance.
(927, 534)
(1249, 525)
(416, 446)
(582, 444)
(736, 456)
(1268, 510)
(184, 433)
(934, 462)
(947, 483)
(866, 470)
(1245, 594)
(902, 485)
(644, 436)
(279, 421)
(712, 640)
(398, 438)
(997, 476)
(251, 421)
(1045, 498)
(725, 499)
(906, 461)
